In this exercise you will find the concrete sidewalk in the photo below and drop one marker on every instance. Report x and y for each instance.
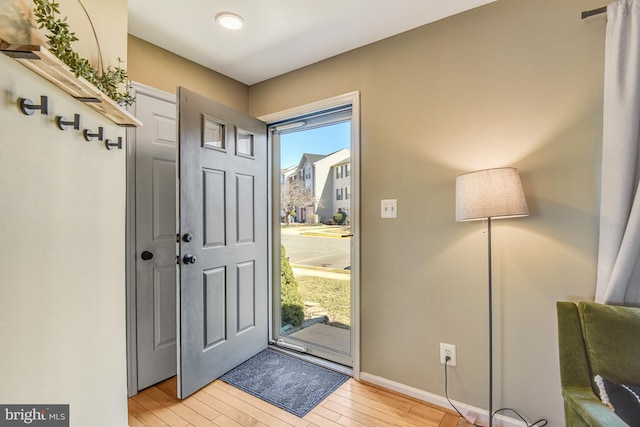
(301, 271)
(333, 231)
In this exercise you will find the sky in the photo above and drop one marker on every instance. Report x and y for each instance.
(323, 140)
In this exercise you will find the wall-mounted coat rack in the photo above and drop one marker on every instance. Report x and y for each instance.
(89, 134)
(64, 124)
(111, 145)
(29, 108)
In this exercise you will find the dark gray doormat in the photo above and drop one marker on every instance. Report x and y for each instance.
(285, 381)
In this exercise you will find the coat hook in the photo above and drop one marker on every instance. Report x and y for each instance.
(88, 135)
(111, 145)
(63, 124)
(27, 106)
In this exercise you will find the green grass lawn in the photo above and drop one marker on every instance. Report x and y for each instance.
(332, 294)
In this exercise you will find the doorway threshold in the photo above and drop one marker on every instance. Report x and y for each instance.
(326, 336)
(315, 360)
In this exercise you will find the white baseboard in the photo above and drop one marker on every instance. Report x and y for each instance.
(434, 399)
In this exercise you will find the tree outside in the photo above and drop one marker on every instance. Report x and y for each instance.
(292, 195)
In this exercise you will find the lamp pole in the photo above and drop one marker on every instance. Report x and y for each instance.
(490, 323)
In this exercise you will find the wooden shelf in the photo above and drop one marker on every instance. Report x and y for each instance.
(47, 65)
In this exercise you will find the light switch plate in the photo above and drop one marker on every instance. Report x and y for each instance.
(389, 208)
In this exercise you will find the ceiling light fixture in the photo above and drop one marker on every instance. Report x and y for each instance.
(229, 20)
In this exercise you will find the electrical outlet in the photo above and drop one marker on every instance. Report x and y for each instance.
(448, 350)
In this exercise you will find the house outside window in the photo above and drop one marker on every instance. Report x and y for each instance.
(342, 185)
(316, 172)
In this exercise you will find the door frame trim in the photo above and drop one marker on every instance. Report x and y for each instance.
(352, 98)
(130, 236)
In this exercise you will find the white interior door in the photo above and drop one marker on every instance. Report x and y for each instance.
(223, 290)
(155, 233)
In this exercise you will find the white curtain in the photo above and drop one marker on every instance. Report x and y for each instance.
(618, 280)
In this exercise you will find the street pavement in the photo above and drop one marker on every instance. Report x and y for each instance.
(319, 250)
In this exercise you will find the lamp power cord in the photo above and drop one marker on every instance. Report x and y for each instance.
(539, 423)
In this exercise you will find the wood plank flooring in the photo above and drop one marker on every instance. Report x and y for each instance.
(354, 404)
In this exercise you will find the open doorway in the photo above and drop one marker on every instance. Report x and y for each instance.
(314, 229)
(151, 300)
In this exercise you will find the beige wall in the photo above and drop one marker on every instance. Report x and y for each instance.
(62, 301)
(514, 83)
(161, 69)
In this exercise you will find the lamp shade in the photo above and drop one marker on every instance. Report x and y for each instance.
(490, 193)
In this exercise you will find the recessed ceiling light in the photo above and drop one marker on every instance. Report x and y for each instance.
(230, 21)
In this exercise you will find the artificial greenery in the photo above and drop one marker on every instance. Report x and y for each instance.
(60, 38)
(292, 304)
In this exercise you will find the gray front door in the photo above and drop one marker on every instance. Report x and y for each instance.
(155, 238)
(223, 288)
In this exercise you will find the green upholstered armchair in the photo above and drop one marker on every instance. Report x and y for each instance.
(596, 339)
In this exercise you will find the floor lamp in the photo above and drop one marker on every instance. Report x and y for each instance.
(486, 195)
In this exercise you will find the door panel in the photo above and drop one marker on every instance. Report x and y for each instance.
(215, 221)
(155, 234)
(246, 296)
(245, 210)
(164, 313)
(223, 274)
(164, 198)
(214, 303)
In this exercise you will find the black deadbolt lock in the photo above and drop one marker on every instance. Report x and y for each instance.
(187, 237)
(146, 255)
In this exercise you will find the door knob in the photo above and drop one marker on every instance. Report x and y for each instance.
(189, 259)
(146, 255)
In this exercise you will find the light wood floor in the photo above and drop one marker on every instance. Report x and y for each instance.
(219, 404)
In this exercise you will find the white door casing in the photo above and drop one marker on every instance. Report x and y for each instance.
(352, 99)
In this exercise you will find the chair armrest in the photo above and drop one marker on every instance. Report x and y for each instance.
(574, 367)
(593, 412)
